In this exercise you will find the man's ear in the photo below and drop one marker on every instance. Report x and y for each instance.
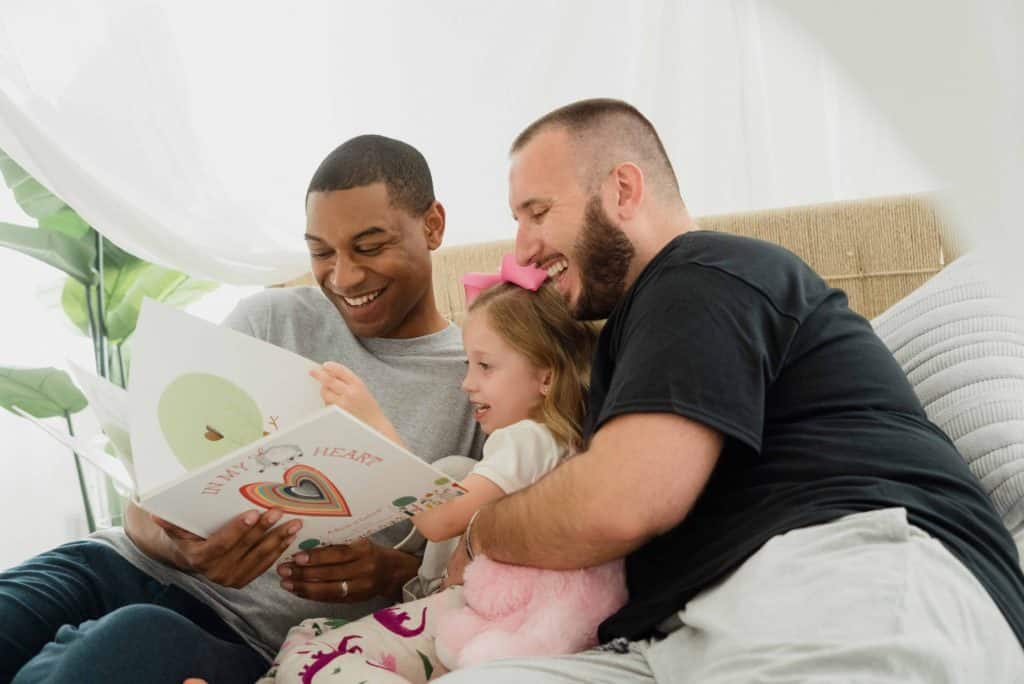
(433, 225)
(630, 188)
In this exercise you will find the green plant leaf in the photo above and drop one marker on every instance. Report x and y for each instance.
(115, 256)
(125, 303)
(74, 257)
(119, 284)
(41, 392)
(115, 279)
(68, 222)
(35, 200)
(73, 295)
(72, 300)
(31, 196)
(188, 291)
(126, 362)
(125, 288)
(10, 170)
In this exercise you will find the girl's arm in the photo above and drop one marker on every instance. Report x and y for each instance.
(515, 456)
(450, 519)
(343, 388)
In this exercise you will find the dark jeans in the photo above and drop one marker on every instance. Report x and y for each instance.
(82, 613)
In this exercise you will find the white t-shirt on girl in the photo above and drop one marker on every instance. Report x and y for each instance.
(518, 455)
(514, 457)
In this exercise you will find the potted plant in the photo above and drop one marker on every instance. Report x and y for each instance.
(102, 296)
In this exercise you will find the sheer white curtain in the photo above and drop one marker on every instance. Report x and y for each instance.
(186, 132)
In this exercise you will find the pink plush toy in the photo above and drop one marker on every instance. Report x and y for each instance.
(513, 610)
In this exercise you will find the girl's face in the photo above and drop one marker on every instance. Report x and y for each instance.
(502, 384)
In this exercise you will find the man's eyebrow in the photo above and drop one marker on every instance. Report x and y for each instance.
(369, 232)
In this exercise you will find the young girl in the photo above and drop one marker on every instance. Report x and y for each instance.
(527, 376)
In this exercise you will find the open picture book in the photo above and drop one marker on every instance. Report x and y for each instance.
(215, 422)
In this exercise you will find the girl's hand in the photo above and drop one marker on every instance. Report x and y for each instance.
(343, 388)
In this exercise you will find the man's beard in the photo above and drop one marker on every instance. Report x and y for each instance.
(603, 255)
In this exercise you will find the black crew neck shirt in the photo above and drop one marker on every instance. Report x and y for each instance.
(819, 421)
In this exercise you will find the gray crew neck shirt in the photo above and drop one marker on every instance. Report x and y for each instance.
(417, 383)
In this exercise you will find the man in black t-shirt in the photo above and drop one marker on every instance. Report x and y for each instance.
(785, 508)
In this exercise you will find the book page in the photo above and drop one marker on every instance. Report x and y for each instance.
(110, 405)
(341, 477)
(200, 391)
(87, 449)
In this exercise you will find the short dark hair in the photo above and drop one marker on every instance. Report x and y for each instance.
(368, 159)
(604, 126)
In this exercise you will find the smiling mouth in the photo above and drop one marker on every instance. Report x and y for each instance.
(554, 266)
(479, 410)
(362, 300)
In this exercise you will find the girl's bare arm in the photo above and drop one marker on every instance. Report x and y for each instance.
(450, 519)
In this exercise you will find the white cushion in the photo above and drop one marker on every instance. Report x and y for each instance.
(961, 344)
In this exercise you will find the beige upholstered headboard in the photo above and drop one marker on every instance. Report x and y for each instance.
(878, 250)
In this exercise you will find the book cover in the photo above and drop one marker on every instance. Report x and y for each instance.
(340, 476)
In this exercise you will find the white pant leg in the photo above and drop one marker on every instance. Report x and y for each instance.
(596, 666)
(866, 598)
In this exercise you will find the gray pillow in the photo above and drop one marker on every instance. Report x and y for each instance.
(960, 341)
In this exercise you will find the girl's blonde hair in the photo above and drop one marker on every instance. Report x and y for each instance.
(539, 326)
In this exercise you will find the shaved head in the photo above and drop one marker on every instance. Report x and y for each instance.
(605, 133)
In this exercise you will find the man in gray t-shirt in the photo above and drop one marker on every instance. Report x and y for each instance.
(217, 608)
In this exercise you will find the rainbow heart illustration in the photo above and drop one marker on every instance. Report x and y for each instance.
(304, 491)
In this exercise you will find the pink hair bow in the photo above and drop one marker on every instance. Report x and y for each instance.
(526, 277)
